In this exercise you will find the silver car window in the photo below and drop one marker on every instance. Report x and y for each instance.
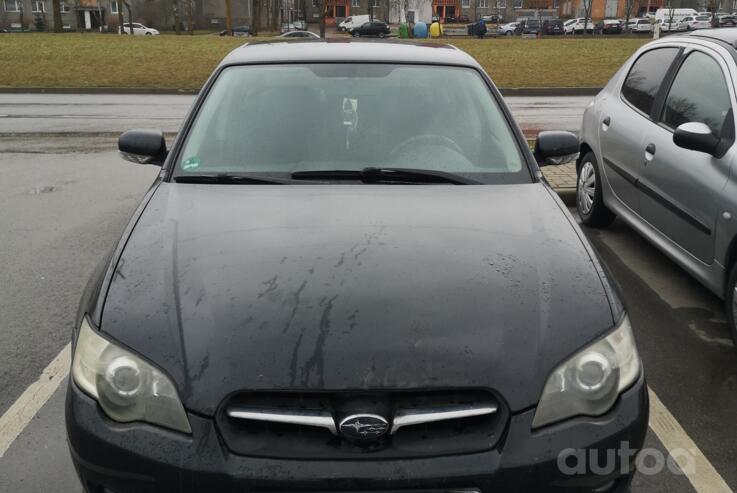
(645, 77)
(699, 94)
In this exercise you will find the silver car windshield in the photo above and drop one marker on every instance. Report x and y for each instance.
(280, 119)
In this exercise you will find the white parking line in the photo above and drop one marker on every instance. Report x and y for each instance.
(703, 477)
(17, 417)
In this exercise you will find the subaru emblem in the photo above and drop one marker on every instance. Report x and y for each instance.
(363, 426)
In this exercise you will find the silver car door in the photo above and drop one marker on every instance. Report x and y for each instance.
(624, 120)
(680, 188)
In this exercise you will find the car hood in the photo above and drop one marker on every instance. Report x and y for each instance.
(233, 287)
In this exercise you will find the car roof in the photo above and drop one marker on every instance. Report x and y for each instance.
(340, 50)
(725, 35)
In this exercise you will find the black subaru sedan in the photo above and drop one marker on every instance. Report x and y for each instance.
(351, 276)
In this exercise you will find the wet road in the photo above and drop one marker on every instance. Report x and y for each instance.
(65, 198)
(109, 114)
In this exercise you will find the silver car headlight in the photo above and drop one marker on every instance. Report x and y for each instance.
(590, 382)
(126, 387)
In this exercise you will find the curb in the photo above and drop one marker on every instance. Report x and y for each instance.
(567, 195)
(509, 91)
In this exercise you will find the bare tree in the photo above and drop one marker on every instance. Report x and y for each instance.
(587, 4)
(188, 16)
(130, 17)
(628, 5)
(714, 6)
(324, 4)
(56, 10)
(177, 23)
(121, 19)
(228, 18)
(256, 17)
(671, 13)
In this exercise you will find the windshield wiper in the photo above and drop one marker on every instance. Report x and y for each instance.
(380, 175)
(229, 179)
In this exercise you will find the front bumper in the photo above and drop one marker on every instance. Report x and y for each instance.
(142, 458)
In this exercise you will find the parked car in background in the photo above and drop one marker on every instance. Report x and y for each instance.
(138, 29)
(352, 22)
(608, 26)
(728, 20)
(531, 28)
(698, 22)
(579, 25)
(469, 343)
(510, 29)
(675, 25)
(658, 151)
(642, 26)
(298, 25)
(553, 27)
(674, 14)
(491, 19)
(372, 28)
(457, 19)
(239, 31)
(300, 34)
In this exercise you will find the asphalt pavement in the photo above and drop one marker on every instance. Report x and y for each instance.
(65, 196)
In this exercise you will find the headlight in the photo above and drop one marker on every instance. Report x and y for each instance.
(590, 382)
(126, 387)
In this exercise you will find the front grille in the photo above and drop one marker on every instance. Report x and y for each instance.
(264, 424)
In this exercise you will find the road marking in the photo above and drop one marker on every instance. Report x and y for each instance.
(17, 417)
(703, 477)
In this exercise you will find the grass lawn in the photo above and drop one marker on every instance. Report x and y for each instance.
(184, 62)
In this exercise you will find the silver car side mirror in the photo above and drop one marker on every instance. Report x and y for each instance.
(695, 136)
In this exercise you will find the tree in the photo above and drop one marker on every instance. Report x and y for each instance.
(56, 9)
(628, 5)
(177, 23)
(228, 18)
(121, 19)
(130, 18)
(671, 13)
(324, 4)
(587, 4)
(714, 6)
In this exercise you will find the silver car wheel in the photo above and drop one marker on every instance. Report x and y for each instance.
(586, 188)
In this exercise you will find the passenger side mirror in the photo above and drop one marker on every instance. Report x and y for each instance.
(695, 136)
(555, 147)
(143, 146)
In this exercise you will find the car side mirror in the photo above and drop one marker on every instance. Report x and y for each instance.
(695, 136)
(556, 147)
(143, 146)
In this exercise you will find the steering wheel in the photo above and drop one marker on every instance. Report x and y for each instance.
(431, 139)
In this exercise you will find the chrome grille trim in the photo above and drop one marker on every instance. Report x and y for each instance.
(304, 418)
(410, 417)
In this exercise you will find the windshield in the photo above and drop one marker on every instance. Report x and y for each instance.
(280, 119)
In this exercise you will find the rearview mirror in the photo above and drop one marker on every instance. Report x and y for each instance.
(143, 146)
(695, 136)
(555, 147)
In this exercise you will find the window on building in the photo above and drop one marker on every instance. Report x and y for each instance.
(375, 3)
(113, 6)
(483, 4)
(556, 4)
(518, 4)
(466, 4)
(65, 9)
(38, 6)
(315, 3)
(355, 3)
(12, 5)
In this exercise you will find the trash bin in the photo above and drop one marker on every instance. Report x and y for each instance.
(403, 30)
(420, 30)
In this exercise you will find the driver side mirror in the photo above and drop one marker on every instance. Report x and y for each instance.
(695, 136)
(143, 146)
(555, 147)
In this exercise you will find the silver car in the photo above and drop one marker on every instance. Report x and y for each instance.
(657, 150)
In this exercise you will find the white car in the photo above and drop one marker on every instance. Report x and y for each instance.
(354, 21)
(674, 25)
(699, 22)
(138, 29)
(508, 29)
(642, 26)
(576, 26)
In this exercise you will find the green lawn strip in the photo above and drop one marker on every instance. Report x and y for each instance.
(184, 62)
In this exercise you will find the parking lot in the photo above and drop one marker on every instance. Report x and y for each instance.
(65, 196)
